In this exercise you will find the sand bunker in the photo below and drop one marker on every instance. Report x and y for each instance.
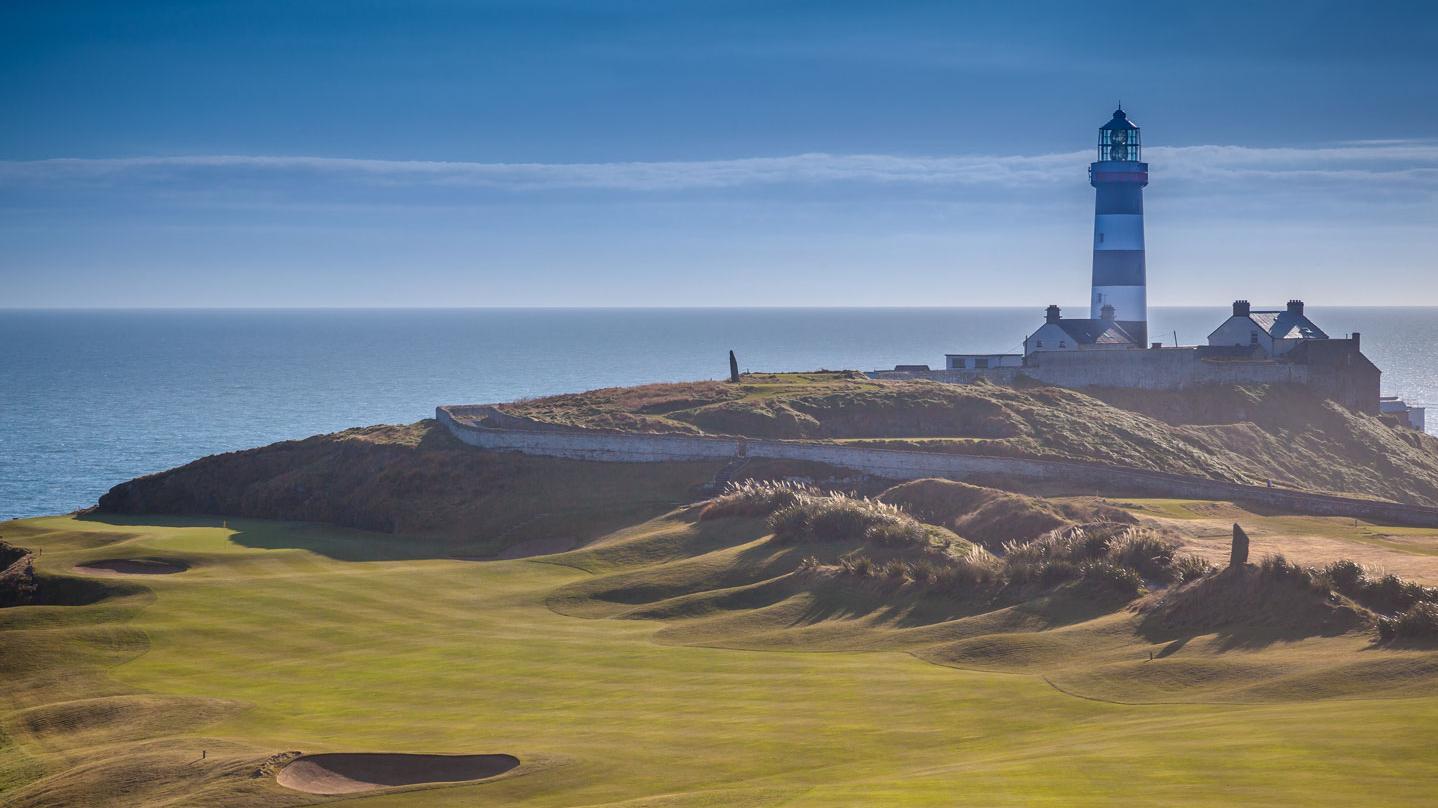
(133, 566)
(347, 773)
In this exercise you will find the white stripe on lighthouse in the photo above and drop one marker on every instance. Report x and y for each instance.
(1118, 231)
(1128, 302)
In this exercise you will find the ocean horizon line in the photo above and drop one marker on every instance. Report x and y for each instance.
(896, 307)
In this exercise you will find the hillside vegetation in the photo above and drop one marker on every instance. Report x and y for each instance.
(417, 480)
(982, 646)
(771, 567)
(1252, 435)
(1091, 664)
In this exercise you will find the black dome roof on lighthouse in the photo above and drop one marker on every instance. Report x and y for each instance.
(1120, 121)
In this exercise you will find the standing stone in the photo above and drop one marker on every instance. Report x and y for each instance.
(1238, 555)
(733, 368)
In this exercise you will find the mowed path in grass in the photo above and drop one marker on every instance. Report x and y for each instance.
(326, 652)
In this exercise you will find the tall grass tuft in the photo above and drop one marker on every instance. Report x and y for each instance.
(1189, 567)
(1386, 594)
(977, 571)
(840, 518)
(756, 498)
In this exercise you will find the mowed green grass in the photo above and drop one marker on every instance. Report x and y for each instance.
(308, 652)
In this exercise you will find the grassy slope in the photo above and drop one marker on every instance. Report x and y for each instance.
(273, 642)
(1244, 434)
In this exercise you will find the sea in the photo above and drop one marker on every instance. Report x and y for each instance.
(91, 398)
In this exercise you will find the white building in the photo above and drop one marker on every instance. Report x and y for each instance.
(1275, 333)
(983, 361)
(1058, 334)
(1409, 414)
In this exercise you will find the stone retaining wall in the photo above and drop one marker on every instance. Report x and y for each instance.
(487, 427)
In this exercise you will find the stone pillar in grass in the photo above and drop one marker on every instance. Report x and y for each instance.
(1238, 555)
(733, 368)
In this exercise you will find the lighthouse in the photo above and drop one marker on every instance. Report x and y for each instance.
(1118, 179)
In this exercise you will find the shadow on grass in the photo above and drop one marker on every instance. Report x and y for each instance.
(339, 543)
(1246, 611)
(579, 526)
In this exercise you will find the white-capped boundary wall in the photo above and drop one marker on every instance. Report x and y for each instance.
(516, 434)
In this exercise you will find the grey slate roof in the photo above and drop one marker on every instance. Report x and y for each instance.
(1286, 325)
(1095, 332)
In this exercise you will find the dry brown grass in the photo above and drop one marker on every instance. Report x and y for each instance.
(1252, 435)
(990, 516)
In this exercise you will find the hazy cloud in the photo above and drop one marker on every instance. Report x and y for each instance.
(1401, 162)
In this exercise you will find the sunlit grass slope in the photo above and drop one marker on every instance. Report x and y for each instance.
(1279, 433)
(1205, 527)
(295, 637)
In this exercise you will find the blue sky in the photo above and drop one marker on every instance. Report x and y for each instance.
(681, 153)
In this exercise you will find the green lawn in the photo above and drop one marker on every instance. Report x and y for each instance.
(281, 638)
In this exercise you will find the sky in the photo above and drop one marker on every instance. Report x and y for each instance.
(560, 153)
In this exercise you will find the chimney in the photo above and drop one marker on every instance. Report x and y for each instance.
(1295, 307)
(1240, 308)
(1355, 341)
(1106, 313)
(1155, 346)
(1051, 315)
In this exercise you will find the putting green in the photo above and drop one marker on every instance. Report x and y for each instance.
(296, 637)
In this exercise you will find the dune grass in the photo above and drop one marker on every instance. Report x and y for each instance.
(285, 636)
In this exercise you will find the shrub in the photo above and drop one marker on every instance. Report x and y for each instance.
(1344, 576)
(1053, 572)
(975, 572)
(1144, 553)
(1057, 556)
(899, 532)
(838, 518)
(1278, 568)
(860, 565)
(1390, 594)
(1419, 622)
(1108, 577)
(755, 498)
(1188, 567)
(789, 521)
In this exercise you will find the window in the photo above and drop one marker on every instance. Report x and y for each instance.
(959, 363)
(1063, 344)
(1041, 343)
(1253, 338)
(981, 363)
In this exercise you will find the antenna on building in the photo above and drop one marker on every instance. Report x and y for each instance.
(1175, 338)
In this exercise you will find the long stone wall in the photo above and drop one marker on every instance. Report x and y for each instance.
(1334, 368)
(490, 428)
